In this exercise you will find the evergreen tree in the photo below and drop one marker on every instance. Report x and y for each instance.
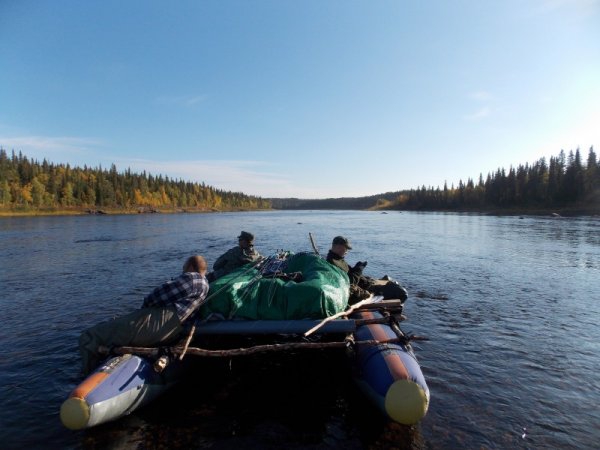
(592, 176)
(5, 197)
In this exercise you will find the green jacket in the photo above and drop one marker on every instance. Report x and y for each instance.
(234, 258)
(356, 276)
(338, 261)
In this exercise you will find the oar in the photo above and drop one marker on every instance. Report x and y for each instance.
(349, 311)
(187, 341)
(312, 242)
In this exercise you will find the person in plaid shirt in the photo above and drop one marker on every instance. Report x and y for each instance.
(160, 321)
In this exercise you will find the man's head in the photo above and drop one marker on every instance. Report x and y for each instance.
(246, 239)
(195, 263)
(340, 245)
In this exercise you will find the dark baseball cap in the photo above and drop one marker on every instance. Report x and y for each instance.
(341, 240)
(246, 236)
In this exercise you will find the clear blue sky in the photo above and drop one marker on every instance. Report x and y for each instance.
(308, 99)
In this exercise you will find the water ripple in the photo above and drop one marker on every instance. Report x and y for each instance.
(509, 306)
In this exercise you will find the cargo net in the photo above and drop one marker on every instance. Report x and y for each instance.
(275, 264)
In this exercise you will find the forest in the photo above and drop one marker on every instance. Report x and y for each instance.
(27, 185)
(565, 182)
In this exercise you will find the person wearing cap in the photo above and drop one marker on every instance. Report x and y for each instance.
(235, 257)
(362, 286)
(339, 248)
(358, 285)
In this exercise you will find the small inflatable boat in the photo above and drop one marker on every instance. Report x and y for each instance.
(271, 300)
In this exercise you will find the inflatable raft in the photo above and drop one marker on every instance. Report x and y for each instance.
(388, 373)
(118, 387)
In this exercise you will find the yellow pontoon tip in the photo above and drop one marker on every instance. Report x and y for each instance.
(406, 402)
(75, 413)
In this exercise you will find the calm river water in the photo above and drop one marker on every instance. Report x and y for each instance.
(510, 304)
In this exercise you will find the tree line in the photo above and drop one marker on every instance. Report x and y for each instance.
(563, 182)
(26, 184)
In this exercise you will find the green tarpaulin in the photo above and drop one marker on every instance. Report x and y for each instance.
(247, 293)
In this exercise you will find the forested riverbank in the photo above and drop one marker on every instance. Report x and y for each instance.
(28, 187)
(564, 185)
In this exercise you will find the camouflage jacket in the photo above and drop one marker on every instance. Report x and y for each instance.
(234, 258)
(338, 261)
(359, 284)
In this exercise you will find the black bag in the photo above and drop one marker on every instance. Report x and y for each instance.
(394, 290)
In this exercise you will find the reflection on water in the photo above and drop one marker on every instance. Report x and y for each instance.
(510, 306)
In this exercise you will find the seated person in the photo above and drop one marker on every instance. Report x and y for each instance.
(235, 257)
(362, 286)
(161, 319)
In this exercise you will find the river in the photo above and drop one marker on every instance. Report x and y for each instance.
(510, 306)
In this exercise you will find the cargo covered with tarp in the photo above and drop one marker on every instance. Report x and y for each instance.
(286, 286)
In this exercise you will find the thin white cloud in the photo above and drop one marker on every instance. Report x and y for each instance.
(35, 145)
(249, 177)
(482, 97)
(480, 114)
(258, 178)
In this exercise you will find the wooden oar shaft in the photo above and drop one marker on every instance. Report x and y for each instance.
(187, 342)
(384, 304)
(312, 242)
(149, 351)
(340, 314)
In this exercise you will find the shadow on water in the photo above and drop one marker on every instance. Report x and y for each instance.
(301, 400)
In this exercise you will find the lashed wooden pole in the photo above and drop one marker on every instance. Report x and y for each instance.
(187, 342)
(153, 351)
(349, 311)
(314, 246)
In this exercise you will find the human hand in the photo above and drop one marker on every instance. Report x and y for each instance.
(359, 266)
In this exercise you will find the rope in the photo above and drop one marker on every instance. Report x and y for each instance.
(261, 260)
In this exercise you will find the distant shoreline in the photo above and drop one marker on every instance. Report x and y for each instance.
(116, 211)
(562, 212)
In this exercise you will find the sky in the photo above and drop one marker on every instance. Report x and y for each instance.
(306, 99)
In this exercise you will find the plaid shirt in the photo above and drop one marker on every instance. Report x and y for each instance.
(186, 293)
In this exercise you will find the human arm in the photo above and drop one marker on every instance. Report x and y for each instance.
(359, 267)
(186, 292)
(174, 290)
(222, 260)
